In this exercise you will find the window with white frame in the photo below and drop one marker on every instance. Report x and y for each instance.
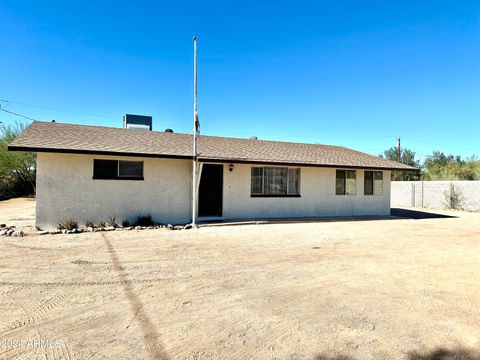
(373, 183)
(275, 181)
(346, 182)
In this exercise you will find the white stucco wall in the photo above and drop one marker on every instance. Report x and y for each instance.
(317, 188)
(65, 189)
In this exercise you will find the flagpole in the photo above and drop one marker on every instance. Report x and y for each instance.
(195, 135)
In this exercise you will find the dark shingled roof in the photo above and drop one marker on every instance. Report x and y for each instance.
(68, 138)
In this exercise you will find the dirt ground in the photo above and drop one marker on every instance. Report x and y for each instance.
(378, 289)
(19, 212)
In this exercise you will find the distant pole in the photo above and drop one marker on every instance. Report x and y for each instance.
(399, 157)
(195, 135)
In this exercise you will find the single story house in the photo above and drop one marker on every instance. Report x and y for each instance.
(93, 172)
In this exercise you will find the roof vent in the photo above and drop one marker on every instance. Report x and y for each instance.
(253, 138)
(137, 122)
(169, 130)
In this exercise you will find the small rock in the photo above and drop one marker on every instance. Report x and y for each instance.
(64, 231)
(144, 228)
(42, 232)
(178, 227)
(110, 228)
(3, 225)
(19, 233)
(128, 228)
(150, 227)
(73, 231)
(138, 228)
(170, 227)
(187, 227)
(3, 232)
(10, 232)
(119, 229)
(97, 229)
(89, 229)
(54, 232)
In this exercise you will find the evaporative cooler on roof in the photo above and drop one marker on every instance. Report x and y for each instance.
(137, 122)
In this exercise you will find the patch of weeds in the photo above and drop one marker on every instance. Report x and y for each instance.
(112, 221)
(89, 223)
(101, 224)
(67, 224)
(454, 198)
(125, 223)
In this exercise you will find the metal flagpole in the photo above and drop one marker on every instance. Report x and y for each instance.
(195, 135)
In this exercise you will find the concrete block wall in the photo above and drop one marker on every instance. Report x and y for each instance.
(431, 194)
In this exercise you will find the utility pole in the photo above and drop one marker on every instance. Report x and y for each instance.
(195, 135)
(399, 157)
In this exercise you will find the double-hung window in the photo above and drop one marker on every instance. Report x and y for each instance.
(275, 181)
(346, 182)
(373, 183)
(117, 169)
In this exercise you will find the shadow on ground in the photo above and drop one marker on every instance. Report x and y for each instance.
(441, 353)
(417, 215)
(395, 214)
(152, 339)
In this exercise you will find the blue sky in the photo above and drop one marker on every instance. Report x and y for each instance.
(357, 74)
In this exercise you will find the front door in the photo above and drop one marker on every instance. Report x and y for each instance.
(210, 192)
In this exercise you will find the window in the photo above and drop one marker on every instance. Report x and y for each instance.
(117, 170)
(275, 181)
(346, 182)
(373, 183)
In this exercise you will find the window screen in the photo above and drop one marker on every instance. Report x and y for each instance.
(351, 183)
(293, 181)
(275, 181)
(130, 169)
(257, 180)
(378, 182)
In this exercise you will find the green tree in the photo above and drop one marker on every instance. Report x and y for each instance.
(407, 157)
(439, 166)
(17, 169)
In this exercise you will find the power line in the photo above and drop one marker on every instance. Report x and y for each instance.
(16, 114)
(52, 108)
(445, 145)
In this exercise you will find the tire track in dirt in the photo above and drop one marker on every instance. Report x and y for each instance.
(47, 332)
(21, 350)
(36, 314)
(91, 283)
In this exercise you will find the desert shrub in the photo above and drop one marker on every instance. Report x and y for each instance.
(144, 220)
(454, 198)
(67, 224)
(101, 224)
(112, 221)
(17, 169)
(125, 223)
(89, 223)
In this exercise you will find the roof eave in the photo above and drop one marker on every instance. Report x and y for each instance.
(202, 158)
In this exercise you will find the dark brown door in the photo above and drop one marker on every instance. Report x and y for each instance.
(210, 192)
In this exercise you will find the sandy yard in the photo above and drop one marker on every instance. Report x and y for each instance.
(19, 212)
(379, 289)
